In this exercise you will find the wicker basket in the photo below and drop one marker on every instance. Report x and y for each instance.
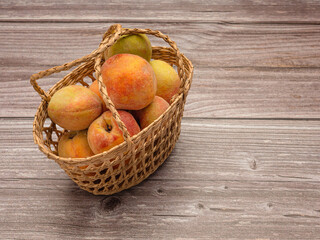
(137, 157)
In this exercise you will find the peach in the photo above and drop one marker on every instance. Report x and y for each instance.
(168, 81)
(134, 44)
(130, 81)
(74, 145)
(104, 133)
(74, 107)
(94, 87)
(153, 111)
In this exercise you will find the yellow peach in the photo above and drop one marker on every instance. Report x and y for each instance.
(138, 44)
(74, 145)
(152, 112)
(74, 107)
(168, 81)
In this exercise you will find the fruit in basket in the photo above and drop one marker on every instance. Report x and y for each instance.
(74, 107)
(138, 44)
(168, 81)
(130, 81)
(150, 113)
(104, 132)
(74, 145)
(95, 88)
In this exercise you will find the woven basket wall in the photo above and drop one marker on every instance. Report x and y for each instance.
(137, 157)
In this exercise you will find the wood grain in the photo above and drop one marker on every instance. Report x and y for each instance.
(214, 45)
(254, 93)
(253, 11)
(215, 93)
(258, 179)
(243, 71)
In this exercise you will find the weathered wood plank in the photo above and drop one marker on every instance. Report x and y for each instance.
(226, 179)
(254, 93)
(161, 210)
(168, 11)
(277, 45)
(265, 71)
(218, 92)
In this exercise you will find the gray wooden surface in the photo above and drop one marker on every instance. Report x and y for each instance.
(247, 163)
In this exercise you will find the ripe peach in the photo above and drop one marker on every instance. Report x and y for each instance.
(74, 145)
(150, 113)
(94, 87)
(130, 81)
(168, 81)
(74, 107)
(104, 133)
(134, 44)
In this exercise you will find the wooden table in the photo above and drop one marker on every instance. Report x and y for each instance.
(247, 164)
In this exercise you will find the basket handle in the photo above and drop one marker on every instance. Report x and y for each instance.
(116, 31)
(33, 79)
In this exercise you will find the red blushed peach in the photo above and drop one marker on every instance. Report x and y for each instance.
(150, 113)
(168, 81)
(130, 81)
(94, 87)
(104, 133)
(74, 145)
(74, 107)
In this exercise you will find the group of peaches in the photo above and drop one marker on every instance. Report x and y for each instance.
(140, 89)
